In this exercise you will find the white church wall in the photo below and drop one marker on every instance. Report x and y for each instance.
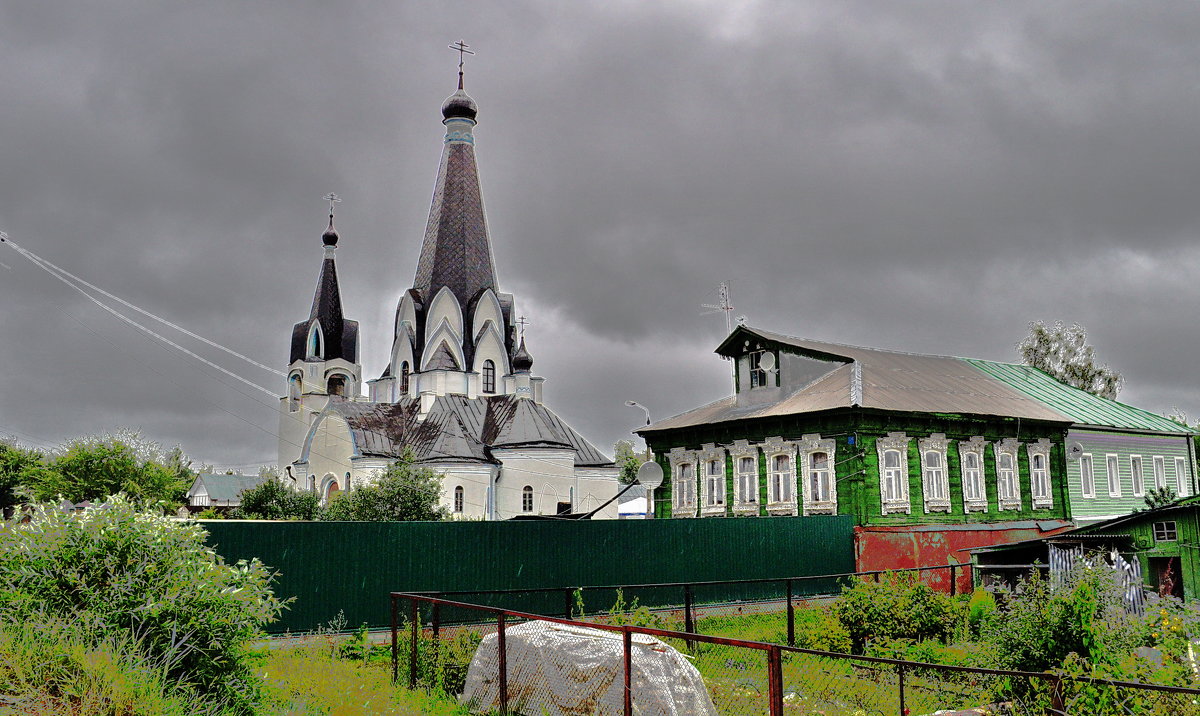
(329, 449)
(444, 311)
(536, 468)
(598, 485)
(475, 479)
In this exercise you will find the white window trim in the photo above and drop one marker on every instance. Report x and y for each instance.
(1155, 462)
(1041, 447)
(975, 446)
(679, 507)
(743, 449)
(808, 445)
(1009, 446)
(709, 453)
(901, 503)
(1181, 476)
(1111, 459)
(773, 448)
(1087, 478)
(1138, 476)
(935, 443)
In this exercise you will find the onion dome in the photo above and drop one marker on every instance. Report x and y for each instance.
(521, 360)
(460, 106)
(330, 237)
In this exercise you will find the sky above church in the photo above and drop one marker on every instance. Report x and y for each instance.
(921, 177)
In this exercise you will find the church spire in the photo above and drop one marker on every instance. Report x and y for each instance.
(456, 252)
(326, 335)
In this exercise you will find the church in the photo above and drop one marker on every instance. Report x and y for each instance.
(459, 393)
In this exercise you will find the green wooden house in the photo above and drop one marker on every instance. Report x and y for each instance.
(930, 454)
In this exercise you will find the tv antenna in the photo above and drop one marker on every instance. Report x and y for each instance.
(723, 306)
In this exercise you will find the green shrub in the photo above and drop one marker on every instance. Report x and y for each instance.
(981, 611)
(273, 500)
(118, 572)
(818, 627)
(898, 606)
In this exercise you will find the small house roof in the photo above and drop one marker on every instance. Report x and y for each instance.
(225, 488)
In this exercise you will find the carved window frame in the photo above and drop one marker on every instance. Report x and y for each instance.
(1012, 500)
(683, 495)
(939, 482)
(976, 447)
(1042, 448)
(810, 445)
(738, 450)
(778, 504)
(711, 453)
(897, 442)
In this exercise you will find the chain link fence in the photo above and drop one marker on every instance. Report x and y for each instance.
(504, 661)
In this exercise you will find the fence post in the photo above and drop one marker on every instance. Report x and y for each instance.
(688, 626)
(900, 675)
(953, 580)
(1056, 696)
(775, 680)
(412, 654)
(395, 643)
(502, 647)
(627, 643)
(437, 633)
(791, 616)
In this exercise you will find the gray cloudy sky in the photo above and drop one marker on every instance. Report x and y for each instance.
(925, 177)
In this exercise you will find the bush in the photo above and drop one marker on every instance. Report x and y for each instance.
(120, 573)
(818, 627)
(273, 500)
(403, 491)
(898, 606)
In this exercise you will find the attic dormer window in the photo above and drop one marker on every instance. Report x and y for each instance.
(758, 375)
(314, 342)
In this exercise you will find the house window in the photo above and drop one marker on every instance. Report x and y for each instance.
(1160, 472)
(458, 498)
(894, 476)
(747, 481)
(1039, 478)
(714, 483)
(935, 485)
(820, 487)
(684, 486)
(1114, 476)
(1087, 477)
(527, 499)
(782, 477)
(1165, 532)
(1139, 477)
(1180, 475)
(758, 376)
(404, 371)
(1006, 481)
(489, 377)
(972, 478)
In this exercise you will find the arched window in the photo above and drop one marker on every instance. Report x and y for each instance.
(781, 479)
(294, 390)
(330, 488)
(336, 385)
(818, 477)
(489, 377)
(458, 499)
(527, 499)
(404, 377)
(315, 347)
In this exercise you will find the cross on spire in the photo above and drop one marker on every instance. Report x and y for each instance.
(522, 322)
(332, 199)
(461, 47)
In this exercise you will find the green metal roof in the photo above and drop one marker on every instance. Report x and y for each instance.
(1080, 406)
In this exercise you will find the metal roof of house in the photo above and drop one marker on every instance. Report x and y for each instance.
(226, 489)
(461, 429)
(1079, 405)
(914, 382)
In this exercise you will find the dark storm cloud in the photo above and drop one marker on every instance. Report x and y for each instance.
(923, 177)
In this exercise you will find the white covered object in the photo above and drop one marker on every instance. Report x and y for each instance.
(557, 669)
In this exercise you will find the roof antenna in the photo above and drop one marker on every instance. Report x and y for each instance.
(723, 306)
(461, 47)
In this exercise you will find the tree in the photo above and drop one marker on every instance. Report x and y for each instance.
(93, 468)
(627, 460)
(19, 468)
(402, 492)
(1064, 354)
(273, 500)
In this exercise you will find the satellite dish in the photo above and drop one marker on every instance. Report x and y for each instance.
(650, 475)
(1074, 451)
(767, 362)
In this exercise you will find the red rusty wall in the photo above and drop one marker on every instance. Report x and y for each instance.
(880, 548)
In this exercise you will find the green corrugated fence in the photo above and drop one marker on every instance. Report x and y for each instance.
(351, 566)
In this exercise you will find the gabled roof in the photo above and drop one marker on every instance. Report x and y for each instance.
(225, 489)
(461, 429)
(913, 382)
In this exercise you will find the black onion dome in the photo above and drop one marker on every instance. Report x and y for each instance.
(521, 360)
(460, 105)
(330, 237)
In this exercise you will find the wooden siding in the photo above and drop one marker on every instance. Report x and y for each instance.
(1124, 445)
